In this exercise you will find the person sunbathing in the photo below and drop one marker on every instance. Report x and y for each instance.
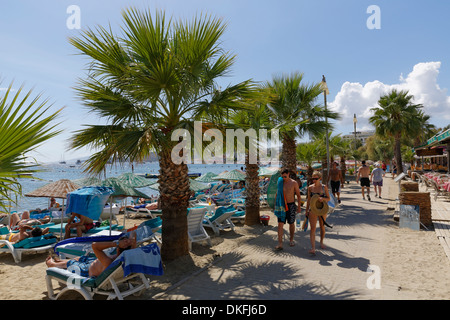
(17, 221)
(24, 233)
(93, 266)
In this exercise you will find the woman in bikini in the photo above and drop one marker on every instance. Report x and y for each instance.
(322, 190)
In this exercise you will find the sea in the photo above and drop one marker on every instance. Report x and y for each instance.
(52, 172)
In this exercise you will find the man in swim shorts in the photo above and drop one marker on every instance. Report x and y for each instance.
(90, 266)
(24, 233)
(290, 190)
(363, 177)
(335, 179)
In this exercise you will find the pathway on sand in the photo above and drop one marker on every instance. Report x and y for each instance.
(361, 236)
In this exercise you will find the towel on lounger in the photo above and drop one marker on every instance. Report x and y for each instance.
(145, 260)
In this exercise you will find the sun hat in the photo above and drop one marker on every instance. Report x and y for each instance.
(317, 207)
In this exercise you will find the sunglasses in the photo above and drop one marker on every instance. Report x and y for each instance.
(315, 178)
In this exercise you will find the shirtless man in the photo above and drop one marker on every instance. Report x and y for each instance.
(363, 176)
(90, 266)
(24, 233)
(335, 178)
(290, 190)
(84, 224)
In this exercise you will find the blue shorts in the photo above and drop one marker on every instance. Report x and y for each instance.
(80, 266)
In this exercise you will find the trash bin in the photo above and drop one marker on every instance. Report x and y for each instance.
(265, 220)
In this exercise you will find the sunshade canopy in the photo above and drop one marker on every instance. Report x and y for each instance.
(57, 189)
(207, 177)
(234, 175)
(134, 181)
(88, 201)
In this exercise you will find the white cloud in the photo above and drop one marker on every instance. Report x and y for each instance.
(421, 82)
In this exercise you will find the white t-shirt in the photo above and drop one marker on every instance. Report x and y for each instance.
(377, 174)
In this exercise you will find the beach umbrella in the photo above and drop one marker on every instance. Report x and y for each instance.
(89, 201)
(58, 189)
(316, 166)
(89, 181)
(121, 190)
(193, 185)
(264, 171)
(134, 181)
(234, 175)
(207, 177)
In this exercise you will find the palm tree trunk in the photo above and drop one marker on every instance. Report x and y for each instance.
(398, 155)
(174, 195)
(309, 174)
(288, 153)
(343, 167)
(252, 202)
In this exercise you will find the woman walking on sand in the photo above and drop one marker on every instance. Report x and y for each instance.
(317, 188)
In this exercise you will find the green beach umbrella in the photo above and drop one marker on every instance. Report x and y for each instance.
(89, 181)
(193, 185)
(234, 175)
(121, 189)
(134, 181)
(263, 171)
(207, 177)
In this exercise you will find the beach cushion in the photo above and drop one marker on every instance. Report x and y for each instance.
(4, 230)
(34, 242)
(90, 282)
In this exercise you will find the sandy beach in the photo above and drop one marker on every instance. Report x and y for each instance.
(413, 264)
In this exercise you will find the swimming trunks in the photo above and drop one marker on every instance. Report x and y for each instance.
(335, 186)
(365, 182)
(291, 212)
(80, 266)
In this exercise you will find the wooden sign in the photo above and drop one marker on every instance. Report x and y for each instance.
(430, 152)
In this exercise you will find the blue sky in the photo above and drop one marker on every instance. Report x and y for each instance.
(330, 37)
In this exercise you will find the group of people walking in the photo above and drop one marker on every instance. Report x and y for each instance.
(317, 198)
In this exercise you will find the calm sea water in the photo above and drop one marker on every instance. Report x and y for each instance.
(55, 172)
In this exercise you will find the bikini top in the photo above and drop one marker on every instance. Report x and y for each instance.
(320, 194)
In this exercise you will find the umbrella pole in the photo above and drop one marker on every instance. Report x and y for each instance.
(110, 214)
(62, 214)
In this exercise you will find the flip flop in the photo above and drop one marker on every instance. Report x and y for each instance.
(311, 252)
(278, 248)
(292, 243)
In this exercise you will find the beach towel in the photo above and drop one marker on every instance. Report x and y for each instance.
(280, 202)
(146, 260)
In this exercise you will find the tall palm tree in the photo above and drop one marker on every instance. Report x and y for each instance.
(256, 119)
(397, 117)
(24, 126)
(152, 79)
(307, 153)
(295, 112)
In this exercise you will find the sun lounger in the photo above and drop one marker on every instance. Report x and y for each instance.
(29, 245)
(124, 277)
(196, 231)
(220, 220)
(56, 228)
(81, 246)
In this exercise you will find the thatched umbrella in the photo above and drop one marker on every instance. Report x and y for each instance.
(58, 189)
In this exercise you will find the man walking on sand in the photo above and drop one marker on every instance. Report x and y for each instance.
(363, 177)
(335, 180)
(285, 197)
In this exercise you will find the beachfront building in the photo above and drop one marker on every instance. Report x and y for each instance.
(434, 153)
(360, 135)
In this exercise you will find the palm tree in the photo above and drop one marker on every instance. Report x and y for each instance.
(396, 116)
(307, 153)
(295, 113)
(23, 127)
(155, 78)
(256, 119)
